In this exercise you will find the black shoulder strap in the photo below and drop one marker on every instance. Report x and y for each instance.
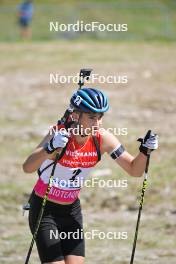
(41, 171)
(60, 157)
(95, 140)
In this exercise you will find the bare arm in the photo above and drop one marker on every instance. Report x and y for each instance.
(134, 166)
(37, 157)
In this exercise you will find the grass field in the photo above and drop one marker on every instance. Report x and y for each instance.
(147, 20)
(29, 104)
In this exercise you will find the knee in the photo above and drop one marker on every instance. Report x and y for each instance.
(74, 260)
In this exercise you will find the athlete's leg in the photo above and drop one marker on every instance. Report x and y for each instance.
(47, 240)
(71, 259)
(74, 243)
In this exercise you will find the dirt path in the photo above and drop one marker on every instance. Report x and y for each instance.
(29, 104)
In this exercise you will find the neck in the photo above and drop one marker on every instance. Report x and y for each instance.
(80, 140)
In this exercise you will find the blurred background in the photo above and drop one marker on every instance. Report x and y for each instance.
(147, 20)
(30, 104)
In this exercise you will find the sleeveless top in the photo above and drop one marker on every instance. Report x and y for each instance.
(70, 172)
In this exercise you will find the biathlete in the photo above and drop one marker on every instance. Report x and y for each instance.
(25, 14)
(62, 213)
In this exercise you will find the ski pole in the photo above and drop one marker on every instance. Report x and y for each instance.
(144, 186)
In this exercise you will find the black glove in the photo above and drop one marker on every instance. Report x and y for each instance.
(148, 143)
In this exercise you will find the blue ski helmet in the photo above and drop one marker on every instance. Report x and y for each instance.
(89, 100)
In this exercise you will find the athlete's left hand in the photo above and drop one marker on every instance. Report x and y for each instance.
(148, 143)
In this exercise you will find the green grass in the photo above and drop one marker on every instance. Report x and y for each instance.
(146, 20)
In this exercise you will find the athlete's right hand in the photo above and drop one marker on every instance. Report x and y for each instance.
(59, 140)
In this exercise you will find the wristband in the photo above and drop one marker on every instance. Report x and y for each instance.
(144, 150)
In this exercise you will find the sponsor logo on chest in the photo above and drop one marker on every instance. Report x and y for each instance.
(81, 154)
